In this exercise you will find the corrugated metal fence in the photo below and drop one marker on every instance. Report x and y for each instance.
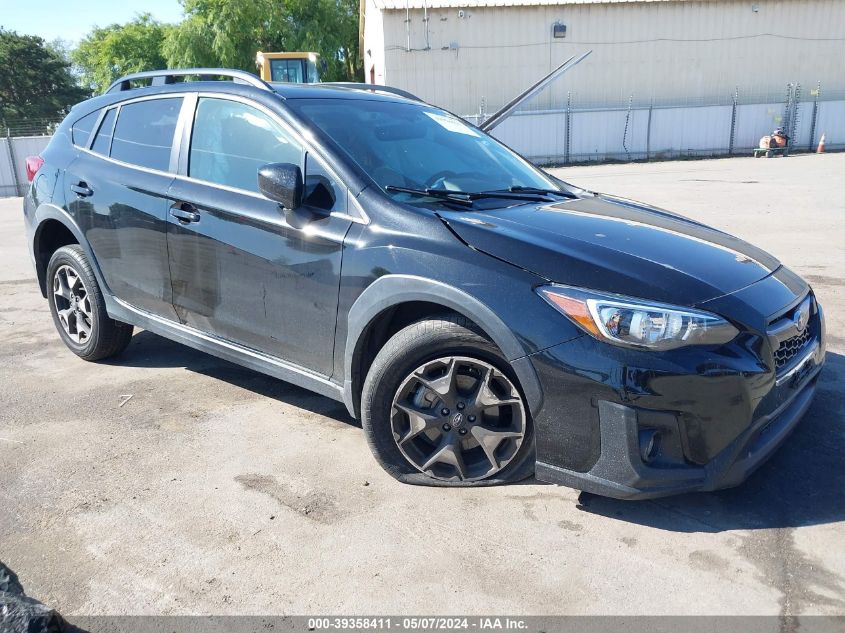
(13, 153)
(644, 132)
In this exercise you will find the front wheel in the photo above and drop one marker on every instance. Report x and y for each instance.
(441, 406)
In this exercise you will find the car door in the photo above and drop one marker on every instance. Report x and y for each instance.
(239, 270)
(116, 190)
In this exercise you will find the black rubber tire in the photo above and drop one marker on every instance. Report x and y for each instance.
(109, 337)
(412, 346)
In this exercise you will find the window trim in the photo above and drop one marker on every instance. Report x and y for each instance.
(174, 149)
(186, 121)
(185, 158)
(96, 131)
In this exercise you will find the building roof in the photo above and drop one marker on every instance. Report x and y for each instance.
(470, 4)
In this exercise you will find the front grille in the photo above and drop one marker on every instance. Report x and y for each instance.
(790, 348)
(787, 341)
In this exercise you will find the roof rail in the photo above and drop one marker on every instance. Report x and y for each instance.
(373, 88)
(163, 77)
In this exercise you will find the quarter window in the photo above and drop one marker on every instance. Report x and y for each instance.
(231, 141)
(144, 132)
(102, 142)
(81, 130)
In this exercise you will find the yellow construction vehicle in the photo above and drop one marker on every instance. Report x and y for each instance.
(297, 68)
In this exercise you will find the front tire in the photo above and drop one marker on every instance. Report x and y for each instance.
(78, 309)
(441, 406)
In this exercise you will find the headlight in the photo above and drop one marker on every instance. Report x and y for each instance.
(635, 322)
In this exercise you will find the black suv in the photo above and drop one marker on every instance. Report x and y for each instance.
(483, 319)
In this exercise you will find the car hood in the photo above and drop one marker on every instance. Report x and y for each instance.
(615, 245)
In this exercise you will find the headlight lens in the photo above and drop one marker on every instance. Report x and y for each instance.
(636, 322)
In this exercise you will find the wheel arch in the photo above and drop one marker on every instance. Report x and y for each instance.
(55, 228)
(412, 298)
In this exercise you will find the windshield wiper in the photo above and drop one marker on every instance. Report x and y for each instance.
(458, 197)
(551, 192)
(466, 198)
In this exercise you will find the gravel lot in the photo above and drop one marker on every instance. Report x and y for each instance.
(215, 490)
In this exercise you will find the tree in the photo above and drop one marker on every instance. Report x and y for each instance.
(329, 27)
(224, 33)
(228, 33)
(35, 80)
(110, 52)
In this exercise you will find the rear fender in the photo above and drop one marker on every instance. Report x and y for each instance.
(46, 212)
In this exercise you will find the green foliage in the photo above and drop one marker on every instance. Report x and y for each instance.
(228, 33)
(35, 79)
(222, 33)
(38, 80)
(329, 27)
(112, 51)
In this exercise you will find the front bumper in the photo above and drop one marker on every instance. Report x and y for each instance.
(634, 425)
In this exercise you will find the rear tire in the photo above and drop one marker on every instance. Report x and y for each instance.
(78, 308)
(441, 406)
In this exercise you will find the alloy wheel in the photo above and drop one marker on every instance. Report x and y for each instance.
(73, 305)
(458, 419)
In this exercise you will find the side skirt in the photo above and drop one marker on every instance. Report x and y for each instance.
(226, 350)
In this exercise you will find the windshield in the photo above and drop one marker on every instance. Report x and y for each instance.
(413, 146)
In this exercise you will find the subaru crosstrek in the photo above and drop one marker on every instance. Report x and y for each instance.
(483, 319)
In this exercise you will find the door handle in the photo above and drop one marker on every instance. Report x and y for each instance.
(185, 212)
(81, 189)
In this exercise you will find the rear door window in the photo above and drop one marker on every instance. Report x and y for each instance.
(231, 141)
(102, 142)
(81, 130)
(144, 131)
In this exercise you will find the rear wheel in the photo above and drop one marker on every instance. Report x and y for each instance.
(442, 407)
(78, 309)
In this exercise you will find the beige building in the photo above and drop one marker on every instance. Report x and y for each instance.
(470, 55)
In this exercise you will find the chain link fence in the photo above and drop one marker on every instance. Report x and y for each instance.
(29, 127)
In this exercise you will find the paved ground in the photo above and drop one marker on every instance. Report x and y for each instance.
(217, 490)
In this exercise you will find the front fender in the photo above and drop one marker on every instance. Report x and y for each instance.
(392, 290)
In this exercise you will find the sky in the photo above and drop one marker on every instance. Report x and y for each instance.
(72, 19)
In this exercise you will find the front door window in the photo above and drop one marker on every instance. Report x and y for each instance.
(231, 141)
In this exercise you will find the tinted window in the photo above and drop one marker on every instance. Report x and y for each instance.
(231, 141)
(102, 142)
(321, 189)
(81, 130)
(144, 132)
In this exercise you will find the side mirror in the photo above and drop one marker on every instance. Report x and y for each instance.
(282, 183)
